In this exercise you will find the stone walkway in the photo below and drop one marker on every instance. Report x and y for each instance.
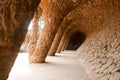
(60, 67)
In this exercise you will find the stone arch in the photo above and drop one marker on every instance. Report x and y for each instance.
(100, 19)
(76, 39)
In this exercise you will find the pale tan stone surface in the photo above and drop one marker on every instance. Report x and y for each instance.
(54, 12)
(102, 61)
(99, 20)
(15, 16)
(100, 52)
(59, 67)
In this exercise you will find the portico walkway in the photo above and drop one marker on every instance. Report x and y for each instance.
(60, 67)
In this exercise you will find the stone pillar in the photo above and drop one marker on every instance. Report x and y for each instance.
(15, 17)
(53, 13)
(55, 43)
(58, 37)
(62, 42)
(44, 42)
(66, 42)
(65, 38)
(34, 33)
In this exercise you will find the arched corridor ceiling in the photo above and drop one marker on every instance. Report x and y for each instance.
(99, 20)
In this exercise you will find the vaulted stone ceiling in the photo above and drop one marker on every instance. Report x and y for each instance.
(99, 20)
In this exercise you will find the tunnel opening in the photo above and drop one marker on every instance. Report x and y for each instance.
(76, 41)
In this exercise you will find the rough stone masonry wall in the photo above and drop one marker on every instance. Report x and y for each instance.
(100, 52)
(15, 16)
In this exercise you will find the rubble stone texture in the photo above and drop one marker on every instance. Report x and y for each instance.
(100, 52)
(34, 33)
(53, 12)
(62, 42)
(15, 16)
(99, 20)
(65, 22)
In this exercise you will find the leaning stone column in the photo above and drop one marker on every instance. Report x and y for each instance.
(55, 43)
(34, 33)
(62, 42)
(45, 40)
(58, 36)
(14, 20)
(65, 38)
(53, 13)
(66, 41)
